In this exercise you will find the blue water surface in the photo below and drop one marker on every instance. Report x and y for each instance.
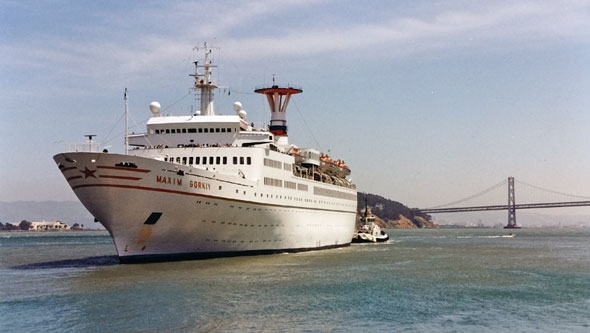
(422, 280)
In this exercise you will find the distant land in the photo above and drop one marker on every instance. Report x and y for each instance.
(391, 214)
(68, 212)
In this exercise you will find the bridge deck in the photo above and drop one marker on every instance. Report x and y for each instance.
(505, 207)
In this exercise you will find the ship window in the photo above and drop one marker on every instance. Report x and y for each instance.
(248, 160)
(200, 130)
(178, 130)
(218, 160)
(173, 130)
(197, 160)
(211, 130)
(224, 159)
(165, 159)
(229, 129)
(192, 130)
(241, 159)
(157, 131)
(184, 130)
(210, 159)
(206, 130)
(223, 130)
(178, 160)
(204, 159)
(184, 160)
(167, 131)
(217, 130)
(235, 160)
(270, 137)
(190, 160)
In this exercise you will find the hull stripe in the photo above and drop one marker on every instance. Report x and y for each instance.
(73, 177)
(155, 189)
(120, 177)
(122, 169)
(68, 169)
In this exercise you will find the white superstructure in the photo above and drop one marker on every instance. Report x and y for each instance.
(213, 185)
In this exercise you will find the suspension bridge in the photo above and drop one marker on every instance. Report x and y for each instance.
(511, 206)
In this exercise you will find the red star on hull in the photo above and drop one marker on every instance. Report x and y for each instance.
(88, 173)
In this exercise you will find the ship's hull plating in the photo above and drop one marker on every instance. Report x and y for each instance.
(157, 211)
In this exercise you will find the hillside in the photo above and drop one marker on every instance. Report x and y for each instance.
(392, 214)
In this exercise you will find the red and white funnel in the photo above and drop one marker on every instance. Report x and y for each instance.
(278, 99)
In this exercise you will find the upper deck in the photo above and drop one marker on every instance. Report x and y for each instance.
(175, 131)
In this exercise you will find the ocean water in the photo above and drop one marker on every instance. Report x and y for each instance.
(473, 280)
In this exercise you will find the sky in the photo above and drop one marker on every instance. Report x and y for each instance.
(427, 101)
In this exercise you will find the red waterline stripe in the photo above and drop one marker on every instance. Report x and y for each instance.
(123, 169)
(73, 177)
(119, 177)
(154, 189)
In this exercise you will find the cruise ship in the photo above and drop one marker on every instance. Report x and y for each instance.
(208, 185)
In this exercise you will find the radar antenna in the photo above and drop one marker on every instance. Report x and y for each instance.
(90, 136)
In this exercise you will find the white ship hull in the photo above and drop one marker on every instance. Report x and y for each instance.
(156, 210)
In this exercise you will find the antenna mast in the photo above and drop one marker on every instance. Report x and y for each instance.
(126, 126)
(203, 81)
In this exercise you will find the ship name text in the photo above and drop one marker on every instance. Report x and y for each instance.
(196, 184)
(169, 180)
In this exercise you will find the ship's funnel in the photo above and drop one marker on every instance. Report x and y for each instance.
(278, 99)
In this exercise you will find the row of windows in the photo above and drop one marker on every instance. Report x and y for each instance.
(286, 184)
(277, 164)
(302, 187)
(273, 164)
(273, 182)
(196, 130)
(333, 194)
(209, 160)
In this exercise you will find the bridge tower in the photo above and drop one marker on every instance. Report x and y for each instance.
(511, 206)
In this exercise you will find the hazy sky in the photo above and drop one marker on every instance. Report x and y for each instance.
(427, 101)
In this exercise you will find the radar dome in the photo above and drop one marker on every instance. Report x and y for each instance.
(237, 107)
(155, 108)
(242, 114)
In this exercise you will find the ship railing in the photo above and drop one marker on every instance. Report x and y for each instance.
(82, 147)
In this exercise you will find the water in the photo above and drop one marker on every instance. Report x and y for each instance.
(422, 280)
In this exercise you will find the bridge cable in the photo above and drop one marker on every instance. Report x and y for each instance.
(552, 191)
(500, 184)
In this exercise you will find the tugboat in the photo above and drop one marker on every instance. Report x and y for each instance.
(369, 231)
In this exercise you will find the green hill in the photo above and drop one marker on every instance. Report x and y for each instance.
(393, 213)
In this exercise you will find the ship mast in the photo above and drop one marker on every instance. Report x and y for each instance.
(126, 125)
(203, 81)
